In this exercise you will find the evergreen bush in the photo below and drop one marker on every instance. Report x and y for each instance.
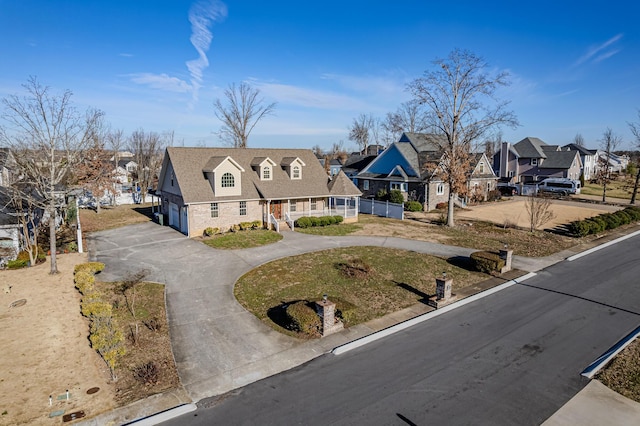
(487, 262)
(413, 206)
(395, 196)
(303, 318)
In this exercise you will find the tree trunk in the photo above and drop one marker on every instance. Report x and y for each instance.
(604, 190)
(52, 236)
(635, 187)
(450, 207)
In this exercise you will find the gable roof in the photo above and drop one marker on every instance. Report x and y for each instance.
(530, 148)
(475, 159)
(581, 149)
(424, 141)
(559, 160)
(188, 165)
(341, 185)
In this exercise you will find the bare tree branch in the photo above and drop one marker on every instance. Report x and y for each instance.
(243, 109)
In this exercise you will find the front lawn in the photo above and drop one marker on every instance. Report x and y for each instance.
(242, 239)
(385, 280)
(619, 188)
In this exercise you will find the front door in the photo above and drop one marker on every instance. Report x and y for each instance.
(276, 209)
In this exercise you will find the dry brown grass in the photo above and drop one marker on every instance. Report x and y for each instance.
(623, 373)
(114, 217)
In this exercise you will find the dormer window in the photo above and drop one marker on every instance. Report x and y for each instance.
(266, 173)
(228, 180)
(534, 161)
(296, 172)
(293, 166)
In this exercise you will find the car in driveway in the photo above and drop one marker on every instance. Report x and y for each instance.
(508, 190)
(561, 186)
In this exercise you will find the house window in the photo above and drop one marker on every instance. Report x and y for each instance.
(294, 206)
(314, 204)
(228, 181)
(296, 172)
(243, 208)
(214, 209)
(488, 186)
(481, 167)
(534, 161)
(510, 173)
(172, 177)
(400, 186)
(440, 189)
(266, 173)
(365, 185)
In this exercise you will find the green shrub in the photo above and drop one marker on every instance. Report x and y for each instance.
(303, 222)
(596, 226)
(315, 221)
(256, 224)
(413, 206)
(91, 267)
(324, 221)
(486, 262)
(623, 216)
(245, 226)
(84, 281)
(382, 195)
(338, 218)
(395, 196)
(210, 231)
(579, 228)
(17, 264)
(634, 212)
(345, 311)
(303, 318)
(611, 221)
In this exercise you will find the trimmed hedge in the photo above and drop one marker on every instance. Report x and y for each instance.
(604, 221)
(487, 262)
(303, 318)
(310, 221)
(413, 206)
(91, 267)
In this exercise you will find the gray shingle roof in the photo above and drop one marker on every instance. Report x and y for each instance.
(530, 148)
(559, 160)
(341, 185)
(581, 149)
(188, 165)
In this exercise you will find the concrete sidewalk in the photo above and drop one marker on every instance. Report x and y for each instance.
(217, 344)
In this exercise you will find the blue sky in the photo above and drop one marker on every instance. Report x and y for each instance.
(159, 64)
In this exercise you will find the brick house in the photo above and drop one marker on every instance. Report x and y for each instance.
(222, 187)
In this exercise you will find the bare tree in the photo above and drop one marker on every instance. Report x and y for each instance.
(147, 149)
(539, 211)
(492, 145)
(317, 150)
(243, 109)
(635, 130)
(578, 139)
(409, 117)
(48, 137)
(28, 208)
(460, 96)
(115, 141)
(360, 130)
(608, 143)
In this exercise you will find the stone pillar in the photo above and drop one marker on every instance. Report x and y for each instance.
(506, 255)
(327, 311)
(443, 288)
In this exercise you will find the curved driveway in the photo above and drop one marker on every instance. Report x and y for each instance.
(217, 344)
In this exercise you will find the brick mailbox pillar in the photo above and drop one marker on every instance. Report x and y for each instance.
(327, 311)
(506, 255)
(443, 288)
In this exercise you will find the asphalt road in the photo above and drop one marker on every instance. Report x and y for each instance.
(514, 357)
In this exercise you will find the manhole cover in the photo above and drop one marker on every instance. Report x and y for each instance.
(72, 416)
(18, 303)
(92, 391)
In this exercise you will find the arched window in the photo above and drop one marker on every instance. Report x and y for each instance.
(296, 172)
(228, 181)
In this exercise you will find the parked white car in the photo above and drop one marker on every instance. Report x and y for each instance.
(561, 186)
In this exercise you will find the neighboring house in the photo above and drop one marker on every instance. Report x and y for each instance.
(354, 164)
(617, 163)
(412, 166)
(9, 231)
(588, 157)
(482, 178)
(222, 187)
(532, 160)
(334, 166)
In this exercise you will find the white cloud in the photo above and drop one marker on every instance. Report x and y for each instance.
(202, 15)
(162, 82)
(125, 55)
(595, 50)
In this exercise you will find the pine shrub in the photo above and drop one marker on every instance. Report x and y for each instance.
(487, 262)
(303, 318)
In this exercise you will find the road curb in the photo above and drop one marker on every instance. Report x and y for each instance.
(163, 416)
(425, 317)
(601, 246)
(604, 359)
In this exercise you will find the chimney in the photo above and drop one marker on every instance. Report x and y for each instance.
(504, 159)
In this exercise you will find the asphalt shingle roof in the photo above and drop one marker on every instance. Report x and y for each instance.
(188, 165)
(530, 148)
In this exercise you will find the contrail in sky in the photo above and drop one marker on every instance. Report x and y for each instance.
(202, 15)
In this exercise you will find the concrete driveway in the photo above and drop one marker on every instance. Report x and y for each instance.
(217, 344)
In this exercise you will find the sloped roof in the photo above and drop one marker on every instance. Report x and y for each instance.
(581, 149)
(357, 162)
(559, 160)
(341, 185)
(530, 148)
(188, 165)
(424, 141)
(475, 159)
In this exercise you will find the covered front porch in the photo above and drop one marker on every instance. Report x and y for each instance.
(289, 210)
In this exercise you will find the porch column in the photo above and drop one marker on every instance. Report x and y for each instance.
(269, 214)
(345, 207)
(357, 202)
(309, 211)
